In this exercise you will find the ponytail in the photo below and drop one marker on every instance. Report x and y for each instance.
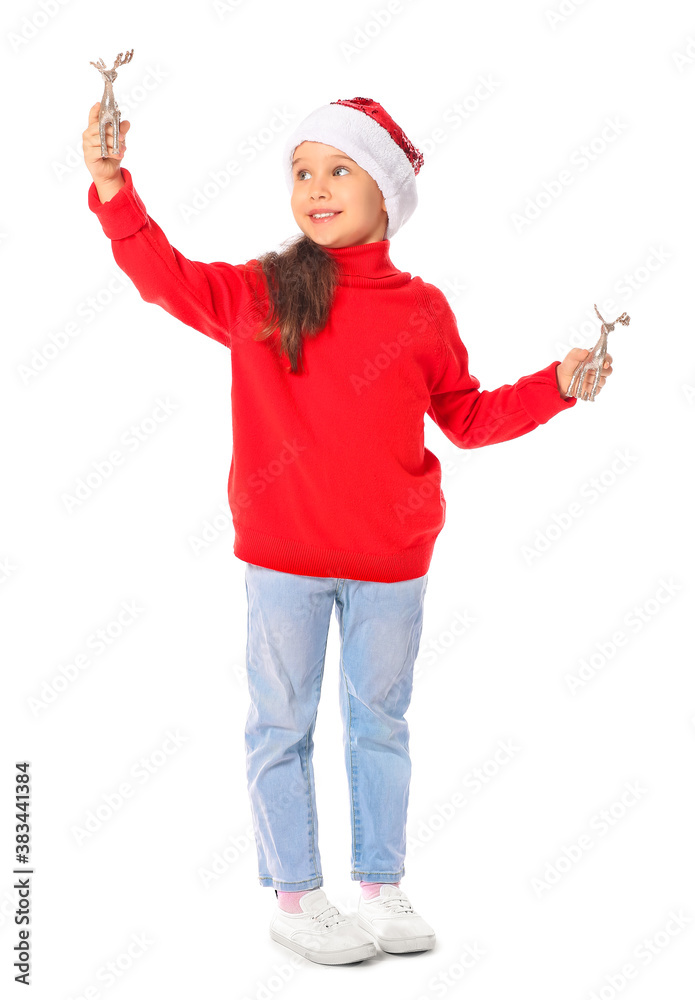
(300, 283)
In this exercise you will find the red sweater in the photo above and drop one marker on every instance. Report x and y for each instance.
(330, 475)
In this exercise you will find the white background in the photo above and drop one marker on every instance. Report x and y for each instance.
(205, 81)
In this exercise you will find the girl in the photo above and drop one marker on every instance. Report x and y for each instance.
(336, 356)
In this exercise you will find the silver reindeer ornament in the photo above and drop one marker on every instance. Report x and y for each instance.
(594, 360)
(108, 111)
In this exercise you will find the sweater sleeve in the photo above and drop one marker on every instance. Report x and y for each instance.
(471, 418)
(214, 298)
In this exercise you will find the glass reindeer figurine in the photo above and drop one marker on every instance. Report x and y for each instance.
(109, 112)
(594, 360)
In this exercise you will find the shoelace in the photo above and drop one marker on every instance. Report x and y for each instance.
(329, 916)
(400, 904)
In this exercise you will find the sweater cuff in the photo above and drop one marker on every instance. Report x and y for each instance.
(123, 214)
(540, 395)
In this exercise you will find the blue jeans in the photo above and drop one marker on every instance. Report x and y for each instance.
(380, 628)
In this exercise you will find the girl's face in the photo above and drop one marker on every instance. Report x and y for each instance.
(326, 180)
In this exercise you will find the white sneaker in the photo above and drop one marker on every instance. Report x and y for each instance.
(321, 932)
(391, 919)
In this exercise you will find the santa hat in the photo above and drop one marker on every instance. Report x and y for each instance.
(361, 129)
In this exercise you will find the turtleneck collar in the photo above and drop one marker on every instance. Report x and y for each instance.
(367, 264)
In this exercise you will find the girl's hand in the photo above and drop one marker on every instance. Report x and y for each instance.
(565, 371)
(105, 171)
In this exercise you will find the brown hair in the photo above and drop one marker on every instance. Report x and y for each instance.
(300, 284)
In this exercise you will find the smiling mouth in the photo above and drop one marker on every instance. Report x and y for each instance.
(323, 216)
